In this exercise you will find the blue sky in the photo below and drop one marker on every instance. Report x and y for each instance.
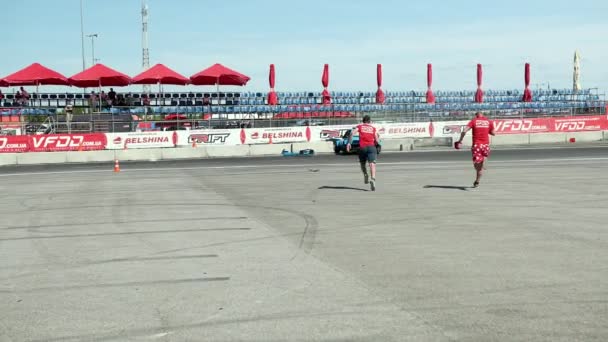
(300, 36)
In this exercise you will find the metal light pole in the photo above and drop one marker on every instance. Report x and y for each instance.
(82, 36)
(93, 36)
(145, 52)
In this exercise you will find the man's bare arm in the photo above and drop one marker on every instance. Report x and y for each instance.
(352, 133)
(462, 135)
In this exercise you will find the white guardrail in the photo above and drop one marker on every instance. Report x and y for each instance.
(261, 136)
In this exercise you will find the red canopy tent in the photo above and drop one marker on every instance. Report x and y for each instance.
(34, 75)
(100, 75)
(379, 92)
(527, 92)
(160, 74)
(479, 93)
(218, 74)
(325, 81)
(272, 95)
(430, 97)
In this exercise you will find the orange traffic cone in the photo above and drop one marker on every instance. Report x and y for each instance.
(193, 143)
(270, 139)
(116, 166)
(80, 149)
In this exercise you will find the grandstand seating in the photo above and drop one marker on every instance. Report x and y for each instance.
(342, 102)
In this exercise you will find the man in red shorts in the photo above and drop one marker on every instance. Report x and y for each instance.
(368, 137)
(482, 128)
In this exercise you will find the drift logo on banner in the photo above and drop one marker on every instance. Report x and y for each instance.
(226, 137)
(211, 138)
(327, 134)
(14, 144)
(68, 142)
(453, 129)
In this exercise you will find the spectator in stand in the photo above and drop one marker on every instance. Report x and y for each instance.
(145, 100)
(18, 97)
(129, 100)
(1, 97)
(119, 101)
(103, 97)
(111, 97)
(93, 101)
(25, 96)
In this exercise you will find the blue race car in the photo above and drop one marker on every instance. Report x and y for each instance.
(341, 142)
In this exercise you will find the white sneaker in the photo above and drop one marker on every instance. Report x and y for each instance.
(372, 184)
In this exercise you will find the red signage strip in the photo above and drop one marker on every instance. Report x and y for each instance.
(101, 141)
(551, 125)
(53, 143)
(68, 142)
(14, 143)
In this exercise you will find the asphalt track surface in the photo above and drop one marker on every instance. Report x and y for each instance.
(298, 249)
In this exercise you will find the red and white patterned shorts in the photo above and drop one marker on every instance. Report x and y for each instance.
(480, 152)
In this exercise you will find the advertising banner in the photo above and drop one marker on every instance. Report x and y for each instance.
(523, 126)
(276, 135)
(153, 139)
(551, 125)
(407, 130)
(67, 142)
(205, 137)
(581, 123)
(14, 143)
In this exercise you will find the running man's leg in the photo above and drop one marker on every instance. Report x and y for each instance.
(479, 171)
(480, 153)
(365, 174)
(362, 162)
(372, 153)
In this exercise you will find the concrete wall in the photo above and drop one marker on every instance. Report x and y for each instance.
(510, 139)
(43, 157)
(587, 136)
(8, 158)
(212, 151)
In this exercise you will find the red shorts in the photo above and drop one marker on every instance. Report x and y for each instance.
(480, 152)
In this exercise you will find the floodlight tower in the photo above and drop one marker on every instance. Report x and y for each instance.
(144, 40)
